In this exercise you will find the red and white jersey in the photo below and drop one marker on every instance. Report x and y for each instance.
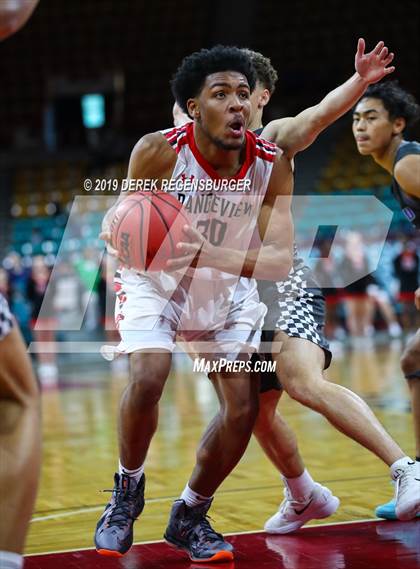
(224, 210)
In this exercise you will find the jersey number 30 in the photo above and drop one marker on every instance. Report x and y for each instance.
(213, 230)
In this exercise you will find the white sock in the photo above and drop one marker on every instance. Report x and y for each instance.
(9, 560)
(137, 473)
(191, 498)
(399, 466)
(300, 487)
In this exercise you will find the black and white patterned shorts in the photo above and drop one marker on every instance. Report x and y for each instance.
(6, 318)
(297, 307)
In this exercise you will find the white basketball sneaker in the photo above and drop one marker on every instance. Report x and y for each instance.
(293, 514)
(407, 490)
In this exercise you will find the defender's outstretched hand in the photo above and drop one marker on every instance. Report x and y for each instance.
(373, 66)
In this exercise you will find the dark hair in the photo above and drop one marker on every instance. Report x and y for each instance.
(191, 74)
(266, 74)
(397, 102)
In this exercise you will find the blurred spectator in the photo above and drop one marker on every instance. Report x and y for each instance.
(106, 294)
(18, 274)
(358, 304)
(36, 240)
(18, 280)
(43, 320)
(326, 274)
(406, 268)
(67, 296)
(381, 298)
(106, 291)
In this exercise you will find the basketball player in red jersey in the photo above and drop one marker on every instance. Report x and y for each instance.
(299, 322)
(379, 121)
(216, 85)
(20, 425)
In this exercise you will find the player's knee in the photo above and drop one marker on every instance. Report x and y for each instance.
(410, 360)
(32, 392)
(20, 398)
(241, 417)
(21, 388)
(145, 392)
(304, 390)
(11, 413)
(146, 386)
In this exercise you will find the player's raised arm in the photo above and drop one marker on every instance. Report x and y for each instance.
(294, 134)
(273, 259)
(275, 226)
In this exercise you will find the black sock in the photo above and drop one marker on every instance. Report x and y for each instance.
(417, 458)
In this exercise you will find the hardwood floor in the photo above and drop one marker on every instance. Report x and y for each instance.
(80, 451)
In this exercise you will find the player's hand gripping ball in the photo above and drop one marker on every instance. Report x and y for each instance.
(146, 228)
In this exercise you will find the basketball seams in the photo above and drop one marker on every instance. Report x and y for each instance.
(143, 250)
(179, 210)
(119, 225)
(122, 218)
(165, 202)
(129, 209)
(168, 228)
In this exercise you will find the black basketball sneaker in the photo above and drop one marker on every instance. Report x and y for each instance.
(114, 532)
(189, 529)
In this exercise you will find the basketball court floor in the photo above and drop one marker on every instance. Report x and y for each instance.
(80, 457)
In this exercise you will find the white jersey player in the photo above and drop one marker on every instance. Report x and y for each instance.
(219, 295)
(211, 309)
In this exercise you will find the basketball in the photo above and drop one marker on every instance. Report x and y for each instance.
(146, 229)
